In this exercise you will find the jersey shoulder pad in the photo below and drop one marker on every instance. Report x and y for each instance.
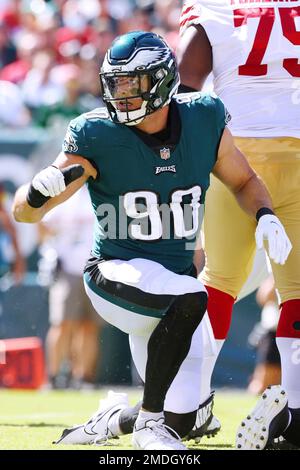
(84, 126)
(182, 98)
(197, 98)
(84, 130)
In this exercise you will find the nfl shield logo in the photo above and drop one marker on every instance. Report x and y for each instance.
(165, 153)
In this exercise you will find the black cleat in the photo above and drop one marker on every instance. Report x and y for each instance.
(279, 443)
(206, 423)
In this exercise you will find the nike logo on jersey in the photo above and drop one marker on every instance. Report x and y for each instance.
(164, 169)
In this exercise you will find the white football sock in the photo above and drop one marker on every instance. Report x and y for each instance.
(147, 416)
(289, 349)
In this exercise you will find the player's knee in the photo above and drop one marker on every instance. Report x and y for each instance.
(289, 322)
(194, 306)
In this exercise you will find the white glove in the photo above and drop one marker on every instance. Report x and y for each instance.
(49, 182)
(270, 228)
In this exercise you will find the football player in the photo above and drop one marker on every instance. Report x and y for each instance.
(253, 51)
(147, 158)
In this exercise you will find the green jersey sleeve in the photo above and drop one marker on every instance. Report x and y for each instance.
(222, 115)
(75, 140)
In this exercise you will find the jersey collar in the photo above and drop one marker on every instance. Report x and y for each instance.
(169, 137)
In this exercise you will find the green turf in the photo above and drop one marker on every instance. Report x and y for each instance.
(32, 420)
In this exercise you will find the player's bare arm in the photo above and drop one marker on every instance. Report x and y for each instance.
(24, 212)
(194, 43)
(234, 171)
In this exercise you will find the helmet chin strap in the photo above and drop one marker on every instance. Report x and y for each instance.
(134, 123)
(136, 117)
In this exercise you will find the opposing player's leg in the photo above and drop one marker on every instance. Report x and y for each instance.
(260, 272)
(206, 423)
(282, 178)
(288, 332)
(229, 258)
(230, 247)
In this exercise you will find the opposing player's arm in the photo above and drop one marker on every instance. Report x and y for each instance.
(24, 212)
(235, 172)
(194, 54)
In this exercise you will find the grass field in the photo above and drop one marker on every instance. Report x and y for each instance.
(32, 420)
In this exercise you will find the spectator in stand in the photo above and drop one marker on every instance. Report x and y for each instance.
(8, 52)
(8, 236)
(39, 88)
(74, 325)
(13, 112)
(70, 106)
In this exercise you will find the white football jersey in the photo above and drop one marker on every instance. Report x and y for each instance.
(256, 61)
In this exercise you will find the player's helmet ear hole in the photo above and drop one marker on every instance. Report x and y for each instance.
(133, 57)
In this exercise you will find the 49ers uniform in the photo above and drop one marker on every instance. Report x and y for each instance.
(256, 68)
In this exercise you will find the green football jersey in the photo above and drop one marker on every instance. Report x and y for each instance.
(150, 190)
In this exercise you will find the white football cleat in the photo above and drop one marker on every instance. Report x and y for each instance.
(155, 435)
(96, 429)
(268, 419)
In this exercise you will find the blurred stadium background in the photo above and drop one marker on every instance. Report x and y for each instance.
(50, 53)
